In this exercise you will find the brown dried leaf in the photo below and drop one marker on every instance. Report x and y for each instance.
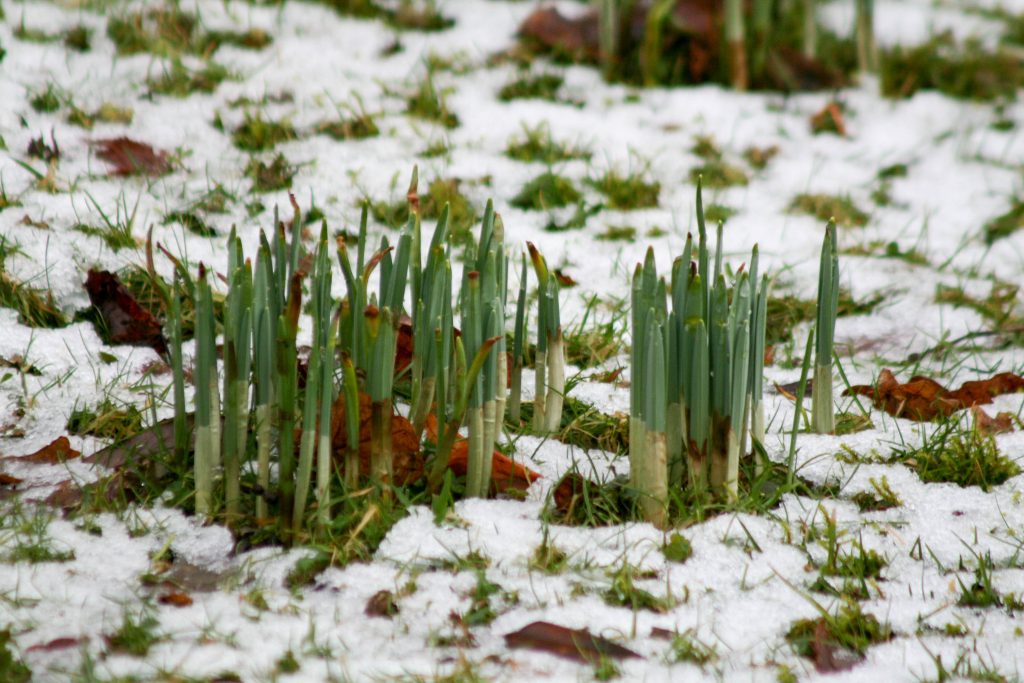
(8, 480)
(127, 322)
(576, 644)
(925, 399)
(130, 157)
(829, 120)
(57, 644)
(175, 598)
(564, 280)
(382, 604)
(1003, 422)
(57, 451)
(579, 37)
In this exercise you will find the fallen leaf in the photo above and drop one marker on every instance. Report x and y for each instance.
(1001, 423)
(126, 321)
(789, 390)
(828, 656)
(829, 120)
(925, 399)
(579, 38)
(381, 604)
(175, 599)
(57, 644)
(130, 157)
(505, 473)
(8, 480)
(564, 280)
(57, 451)
(576, 644)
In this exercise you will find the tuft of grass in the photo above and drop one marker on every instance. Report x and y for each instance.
(980, 592)
(536, 145)
(107, 113)
(1006, 224)
(548, 558)
(715, 171)
(760, 157)
(826, 206)
(880, 497)
(106, 421)
(462, 214)
(883, 249)
(78, 38)
(164, 31)
(787, 311)
(117, 236)
(542, 86)
(677, 549)
(962, 457)
(12, 669)
(617, 233)
(548, 190)
(35, 308)
(256, 134)
(626, 192)
(31, 541)
(270, 177)
(1000, 308)
(47, 100)
(431, 104)
(182, 81)
(623, 592)
(686, 647)
(358, 126)
(965, 71)
(849, 629)
(718, 213)
(136, 634)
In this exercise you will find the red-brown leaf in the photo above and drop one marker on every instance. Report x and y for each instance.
(175, 598)
(57, 644)
(57, 451)
(130, 157)
(1002, 422)
(925, 399)
(576, 644)
(127, 322)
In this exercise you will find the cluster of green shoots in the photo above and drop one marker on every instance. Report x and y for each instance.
(697, 366)
(459, 376)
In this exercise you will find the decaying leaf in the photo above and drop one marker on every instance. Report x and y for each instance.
(576, 644)
(1002, 422)
(130, 157)
(578, 37)
(175, 599)
(829, 120)
(382, 604)
(57, 451)
(57, 644)
(8, 480)
(126, 321)
(925, 399)
(828, 656)
(564, 279)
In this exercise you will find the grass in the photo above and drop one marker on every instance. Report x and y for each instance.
(105, 421)
(848, 629)
(256, 134)
(787, 311)
(617, 233)
(358, 126)
(171, 32)
(1005, 224)
(718, 213)
(136, 635)
(35, 308)
(48, 99)
(826, 206)
(12, 669)
(542, 86)
(429, 103)
(962, 457)
(106, 113)
(760, 157)
(964, 71)
(627, 192)
(462, 213)
(24, 534)
(888, 250)
(182, 81)
(715, 172)
(686, 647)
(537, 145)
(623, 592)
(270, 177)
(880, 497)
(677, 549)
(548, 190)
(1000, 309)
(980, 592)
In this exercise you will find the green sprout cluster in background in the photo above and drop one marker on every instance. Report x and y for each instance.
(458, 375)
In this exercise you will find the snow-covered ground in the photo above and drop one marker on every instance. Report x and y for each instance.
(748, 579)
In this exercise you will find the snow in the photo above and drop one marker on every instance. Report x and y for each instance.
(746, 582)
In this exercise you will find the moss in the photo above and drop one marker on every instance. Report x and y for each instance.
(627, 192)
(825, 207)
(547, 190)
